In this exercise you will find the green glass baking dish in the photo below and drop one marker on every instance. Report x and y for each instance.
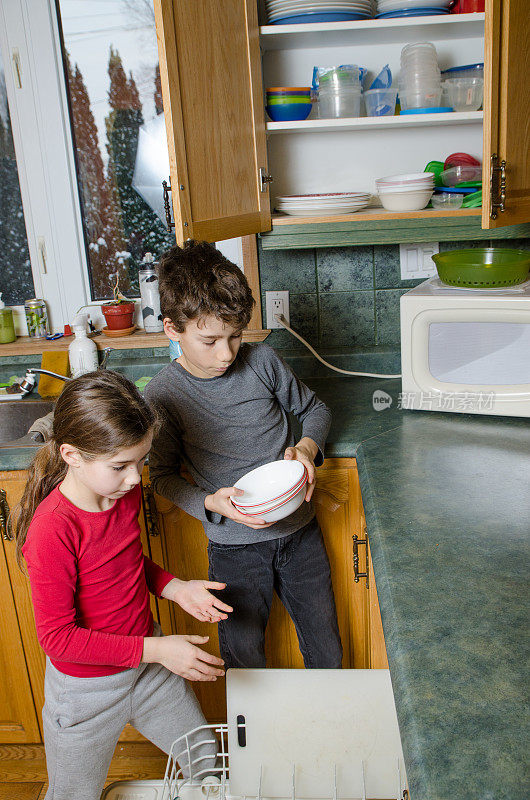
(483, 267)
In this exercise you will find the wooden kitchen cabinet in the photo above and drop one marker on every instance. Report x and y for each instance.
(212, 88)
(21, 661)
(181, 545)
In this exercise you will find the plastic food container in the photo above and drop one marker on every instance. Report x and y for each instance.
(463, 94)
(465, 71)
(339, 77)
(447, 200)
(455, 175)
(380, 102)
(427, 98)
(339, 104)
(483, 267)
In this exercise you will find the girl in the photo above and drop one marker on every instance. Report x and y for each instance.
(77, 528)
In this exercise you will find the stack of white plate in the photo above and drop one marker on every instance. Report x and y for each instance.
(410, 192)
(310, 205)
(290, 11)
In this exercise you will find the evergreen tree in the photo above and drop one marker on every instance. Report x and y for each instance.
(16, 279)
(101, 217)
(143, 230)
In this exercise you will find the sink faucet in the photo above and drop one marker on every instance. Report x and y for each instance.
(28, 383)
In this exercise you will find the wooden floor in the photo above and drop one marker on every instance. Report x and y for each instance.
(23, 768)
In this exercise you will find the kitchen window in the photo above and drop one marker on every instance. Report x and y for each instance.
(114, 95)
(82, 91)
(15, 267)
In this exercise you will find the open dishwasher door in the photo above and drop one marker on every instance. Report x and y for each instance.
(318, 734)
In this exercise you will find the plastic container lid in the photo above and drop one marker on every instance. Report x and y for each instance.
(288, 89)
(454, 70)
(433, 110)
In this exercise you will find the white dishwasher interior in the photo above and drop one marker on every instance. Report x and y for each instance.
(294, 735)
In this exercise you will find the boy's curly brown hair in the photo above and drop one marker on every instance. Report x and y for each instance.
(198, 281)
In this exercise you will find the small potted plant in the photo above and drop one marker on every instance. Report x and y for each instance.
(119, 312)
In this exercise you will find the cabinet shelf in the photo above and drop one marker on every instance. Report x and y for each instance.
(370, 31)
(375, 215)
(383, 227)
(376, 123)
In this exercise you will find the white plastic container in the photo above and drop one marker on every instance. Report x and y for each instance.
(463, 94)
(82, 353)
(339, 104)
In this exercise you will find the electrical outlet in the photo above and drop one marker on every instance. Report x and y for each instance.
(416, 260)
(276, 303)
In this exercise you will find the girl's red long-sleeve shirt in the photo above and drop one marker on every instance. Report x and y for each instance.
(90, 584)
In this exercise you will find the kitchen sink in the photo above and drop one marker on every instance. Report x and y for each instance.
(17, 417)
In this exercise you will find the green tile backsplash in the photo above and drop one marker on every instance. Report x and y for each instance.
(344, 297)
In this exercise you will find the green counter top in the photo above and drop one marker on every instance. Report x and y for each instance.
(447, 502)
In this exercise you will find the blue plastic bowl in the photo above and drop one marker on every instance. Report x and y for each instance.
(289, 112)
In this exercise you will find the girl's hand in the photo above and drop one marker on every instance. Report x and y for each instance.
(305, 451)
(220, 503)
(194, 597)
(180, 654)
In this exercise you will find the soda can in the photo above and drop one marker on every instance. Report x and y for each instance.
(36, 317)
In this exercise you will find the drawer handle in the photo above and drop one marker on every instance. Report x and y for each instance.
(5, 521)
(356, 574)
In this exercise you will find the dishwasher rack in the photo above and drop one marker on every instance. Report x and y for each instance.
(187, 777)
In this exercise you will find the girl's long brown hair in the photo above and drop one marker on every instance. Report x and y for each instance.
(99, 414)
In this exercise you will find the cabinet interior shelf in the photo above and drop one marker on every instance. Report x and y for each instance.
(376, 123)
(375, 215)
(333, 34)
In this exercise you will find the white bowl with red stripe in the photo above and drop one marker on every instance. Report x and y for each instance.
(272, 491)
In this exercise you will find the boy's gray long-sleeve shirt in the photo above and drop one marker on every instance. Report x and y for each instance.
(220, 428)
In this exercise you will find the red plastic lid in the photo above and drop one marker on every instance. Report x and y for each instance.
(460, 160)
(288, 89)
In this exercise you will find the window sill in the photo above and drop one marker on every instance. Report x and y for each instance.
(26, 345)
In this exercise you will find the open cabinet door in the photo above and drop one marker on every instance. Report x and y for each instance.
(507, 113)
(210, 68)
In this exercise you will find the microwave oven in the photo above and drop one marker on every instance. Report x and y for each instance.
(466, 350)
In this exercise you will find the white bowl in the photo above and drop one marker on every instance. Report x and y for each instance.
(283, 510)
(269, 482)
(405, 201)
(411, 176)
(271, 504)
(422, 187)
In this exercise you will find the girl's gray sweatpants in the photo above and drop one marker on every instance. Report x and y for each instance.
(83, 718)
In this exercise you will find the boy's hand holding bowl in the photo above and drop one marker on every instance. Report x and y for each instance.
(274, 490)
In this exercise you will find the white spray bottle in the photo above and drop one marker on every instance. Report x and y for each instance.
(82, 353)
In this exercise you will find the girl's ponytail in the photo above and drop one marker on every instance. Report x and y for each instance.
(47, 470)
(99, 414)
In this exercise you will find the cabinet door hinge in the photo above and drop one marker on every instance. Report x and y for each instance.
(497, 186)
(356, 573)
(264, 179)
(151, 516)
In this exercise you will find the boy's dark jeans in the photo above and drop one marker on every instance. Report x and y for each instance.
(297, 567)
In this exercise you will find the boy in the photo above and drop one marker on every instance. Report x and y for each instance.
(224, 408)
